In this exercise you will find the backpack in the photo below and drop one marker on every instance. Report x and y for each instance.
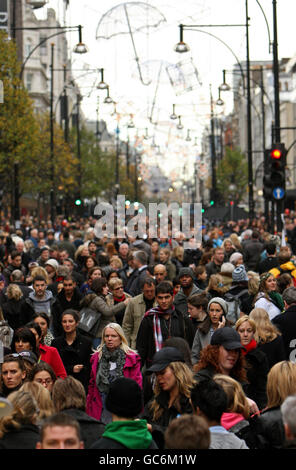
(89, 321)
(234, 306)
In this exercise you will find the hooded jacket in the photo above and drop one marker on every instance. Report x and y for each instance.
(49, 305)
(130, 434)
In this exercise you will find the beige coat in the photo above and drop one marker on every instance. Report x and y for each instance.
(134, 312)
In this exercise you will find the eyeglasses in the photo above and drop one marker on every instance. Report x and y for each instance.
(118, 288)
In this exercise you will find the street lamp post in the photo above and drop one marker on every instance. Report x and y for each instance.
(80, 48)
(182, 47)
(52, 188)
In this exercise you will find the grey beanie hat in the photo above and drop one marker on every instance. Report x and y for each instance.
(239, 274)
(221, 302)
(227, 268)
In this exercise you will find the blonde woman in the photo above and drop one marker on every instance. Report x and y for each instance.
(42, 397)
(117, 295)
(281, 383)
(12, 307)
(268, 337)
(237, 418)
(113, 359)
(171, 392)
(18, 430)
(257, 362)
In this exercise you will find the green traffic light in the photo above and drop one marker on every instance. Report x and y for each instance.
(78, 202)
(212, 203)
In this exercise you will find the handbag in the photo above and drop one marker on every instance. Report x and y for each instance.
(89, 321)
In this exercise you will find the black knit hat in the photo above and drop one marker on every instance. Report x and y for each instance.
(124, 398)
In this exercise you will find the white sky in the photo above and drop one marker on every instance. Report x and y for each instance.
(210, 57)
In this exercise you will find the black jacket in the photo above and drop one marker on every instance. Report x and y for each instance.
(78, 352)
(24, 438)
(14, 313)
(268, 263)
(286, 323)
(274, 350)
(134, 283)
(169, 413)
(91, 429)
(74, 303)
(271, 432)
(106, 443)
(179, 326)
(257, 371)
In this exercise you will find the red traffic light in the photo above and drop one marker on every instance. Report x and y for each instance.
(276, 154)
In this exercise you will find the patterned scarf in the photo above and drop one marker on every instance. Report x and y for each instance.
(102, 379)
(157, 312)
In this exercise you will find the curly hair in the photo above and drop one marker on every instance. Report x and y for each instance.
(209, 356)
(185, 381)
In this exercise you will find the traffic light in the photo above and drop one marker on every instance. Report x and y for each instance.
(274, 176)
(78, 202)
(211, 203)
(278, 163)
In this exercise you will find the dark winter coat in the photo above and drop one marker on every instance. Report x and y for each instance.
(14, 313)
(286, 323)
(257, 377)
(274, 350)
(24, 438)
(78, 352)
(180, 327)
(169, 413)
(271, 432)
(91, 429)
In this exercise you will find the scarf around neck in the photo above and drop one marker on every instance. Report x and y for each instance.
(249, 347)
(102, 379)
(157, 312)
(276, 299)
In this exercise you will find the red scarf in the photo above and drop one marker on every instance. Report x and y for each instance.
(249, 347)
(121, 299)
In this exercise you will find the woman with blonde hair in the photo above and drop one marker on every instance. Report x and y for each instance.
(257, 362)
(12, 307)
(112, 359)
(268, 337)
(237, 417)
(215, 286)
(42, 397)
(171, 391)
(117, 295)
(18, 430)
(281, 383)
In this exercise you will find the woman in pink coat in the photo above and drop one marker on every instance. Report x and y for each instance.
(113, 359)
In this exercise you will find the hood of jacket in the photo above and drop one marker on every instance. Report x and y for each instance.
(47, 296)
(229, 420)
(131, 434)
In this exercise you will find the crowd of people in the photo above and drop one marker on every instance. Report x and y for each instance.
(139, 343)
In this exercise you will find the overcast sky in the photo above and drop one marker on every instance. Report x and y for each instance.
(156, 49)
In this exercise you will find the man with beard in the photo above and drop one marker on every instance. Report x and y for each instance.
(188, 288)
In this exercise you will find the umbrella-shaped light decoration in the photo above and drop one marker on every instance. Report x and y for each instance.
(129, 18)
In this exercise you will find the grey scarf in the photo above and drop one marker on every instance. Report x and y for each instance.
(103, 373)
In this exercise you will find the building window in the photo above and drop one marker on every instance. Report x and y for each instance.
(29, 81)
(43, 47)
(28, 47)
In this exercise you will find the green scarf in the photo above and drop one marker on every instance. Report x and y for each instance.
(277, 299)
(131, 434)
